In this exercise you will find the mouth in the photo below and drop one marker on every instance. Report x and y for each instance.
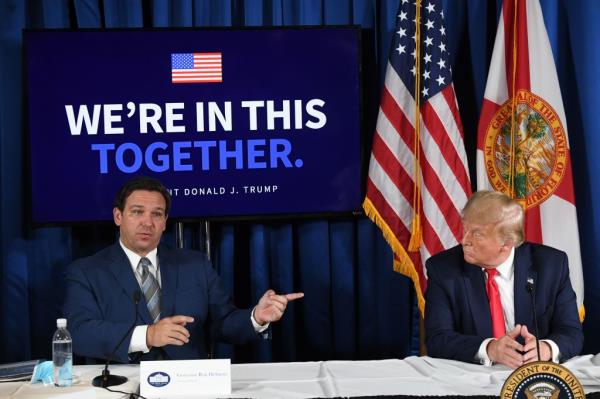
(144, 235)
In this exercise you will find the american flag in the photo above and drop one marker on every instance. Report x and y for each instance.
(196, 68)
(422, 195)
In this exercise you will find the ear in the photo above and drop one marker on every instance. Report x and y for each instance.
(165, 226)
(508, 245)
(117, 216)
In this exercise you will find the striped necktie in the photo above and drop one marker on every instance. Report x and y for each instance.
(150, 288)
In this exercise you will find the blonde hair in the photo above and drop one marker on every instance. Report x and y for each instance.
(494, 207)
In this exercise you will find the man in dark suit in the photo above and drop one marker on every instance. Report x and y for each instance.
(479, 296)
(181, 298)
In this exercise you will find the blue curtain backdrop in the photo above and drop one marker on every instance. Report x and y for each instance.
(355, 306)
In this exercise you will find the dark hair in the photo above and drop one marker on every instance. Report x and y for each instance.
(141, 183)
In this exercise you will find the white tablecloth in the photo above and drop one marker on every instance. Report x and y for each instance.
(82, 385)
(411, 376)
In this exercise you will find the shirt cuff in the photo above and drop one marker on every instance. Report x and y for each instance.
(482, 356)
(257, 327)
(555, 352)
(138, 340)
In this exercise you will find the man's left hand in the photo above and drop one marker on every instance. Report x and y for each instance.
(271, 306)
(530, 350)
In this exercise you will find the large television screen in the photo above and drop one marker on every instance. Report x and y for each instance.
(235, 122)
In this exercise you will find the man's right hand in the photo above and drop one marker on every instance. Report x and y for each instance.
(168, 331)
(506, 350)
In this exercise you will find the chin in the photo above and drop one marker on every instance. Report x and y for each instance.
(469, 259)
(145, 247)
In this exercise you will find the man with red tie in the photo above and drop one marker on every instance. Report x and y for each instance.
(480, 295)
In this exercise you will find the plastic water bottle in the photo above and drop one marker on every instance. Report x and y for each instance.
(62, 355)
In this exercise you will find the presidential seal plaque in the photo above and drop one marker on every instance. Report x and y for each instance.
(542, 380)
(538, 157)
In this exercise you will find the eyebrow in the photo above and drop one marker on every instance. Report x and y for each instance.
(136, 206)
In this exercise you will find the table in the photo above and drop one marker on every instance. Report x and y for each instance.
(418, 376)
(82, 385)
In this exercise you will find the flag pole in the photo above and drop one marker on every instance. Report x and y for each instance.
(513, 134)
(416, 235)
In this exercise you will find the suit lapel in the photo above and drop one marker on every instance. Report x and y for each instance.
(477, 299)
(523, 270)
(168, 276)
(121, 269)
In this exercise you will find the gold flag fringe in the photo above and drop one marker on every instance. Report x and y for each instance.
(403, 264)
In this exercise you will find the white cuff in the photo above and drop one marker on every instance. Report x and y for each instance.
(138, 340)
(555, 352)
(482, 356)
(257, 327)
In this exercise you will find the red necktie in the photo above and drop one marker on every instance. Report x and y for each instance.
(491, 287)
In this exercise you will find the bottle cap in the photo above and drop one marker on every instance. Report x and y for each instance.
(61, 323)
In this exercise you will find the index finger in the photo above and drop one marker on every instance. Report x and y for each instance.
(180, 319)
(530, 355)
(512, 344)
(525, 332)
(515, 332)
(529, 345)
(293, 296)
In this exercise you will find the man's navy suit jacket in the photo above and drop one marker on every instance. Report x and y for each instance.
(99, 304)
(457, 313)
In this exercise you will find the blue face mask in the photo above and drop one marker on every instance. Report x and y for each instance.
(43, 372)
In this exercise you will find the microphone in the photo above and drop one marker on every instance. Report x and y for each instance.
(531, 289)
(106, 379)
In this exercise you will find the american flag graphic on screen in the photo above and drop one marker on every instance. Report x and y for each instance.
(196, 68)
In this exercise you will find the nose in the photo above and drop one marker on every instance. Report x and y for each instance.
(147, 219)
(466, 238)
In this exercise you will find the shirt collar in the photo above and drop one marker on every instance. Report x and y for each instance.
(134, 259)
(507, 268)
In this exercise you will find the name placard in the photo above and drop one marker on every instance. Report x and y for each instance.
(168, 378)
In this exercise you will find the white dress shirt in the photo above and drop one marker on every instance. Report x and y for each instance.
(138, 338)
(505, 279)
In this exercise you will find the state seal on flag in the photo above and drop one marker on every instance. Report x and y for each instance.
(542, 380)
(537, 159)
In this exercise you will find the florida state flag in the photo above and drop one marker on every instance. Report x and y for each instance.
(523, 145)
